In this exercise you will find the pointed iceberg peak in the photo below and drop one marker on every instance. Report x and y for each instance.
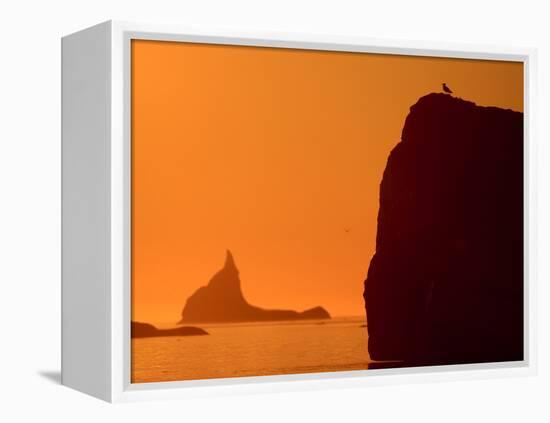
(222, 300)
(229, 261)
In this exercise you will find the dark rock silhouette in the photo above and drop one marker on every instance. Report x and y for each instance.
(222, 300)
(146, 330)
(445, 285)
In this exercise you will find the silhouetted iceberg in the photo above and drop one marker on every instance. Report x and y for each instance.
(222, 301)
(146, 330)
(445, 285)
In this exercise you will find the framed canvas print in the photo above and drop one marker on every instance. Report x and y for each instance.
(250, 212)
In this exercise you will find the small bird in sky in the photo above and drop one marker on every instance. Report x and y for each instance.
(446, 89)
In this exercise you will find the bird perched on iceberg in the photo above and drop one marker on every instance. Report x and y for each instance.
(446, 89)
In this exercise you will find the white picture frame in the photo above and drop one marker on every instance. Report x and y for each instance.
(96, 213)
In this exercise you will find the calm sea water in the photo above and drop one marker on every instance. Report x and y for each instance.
(253, 349)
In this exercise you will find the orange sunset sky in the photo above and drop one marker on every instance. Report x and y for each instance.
(277, 155)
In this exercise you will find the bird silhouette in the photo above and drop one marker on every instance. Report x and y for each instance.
(446, 89)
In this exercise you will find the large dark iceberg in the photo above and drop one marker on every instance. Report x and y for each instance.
(222, 300)
(445, 285)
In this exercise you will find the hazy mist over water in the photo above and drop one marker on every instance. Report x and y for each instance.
(253, 349)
